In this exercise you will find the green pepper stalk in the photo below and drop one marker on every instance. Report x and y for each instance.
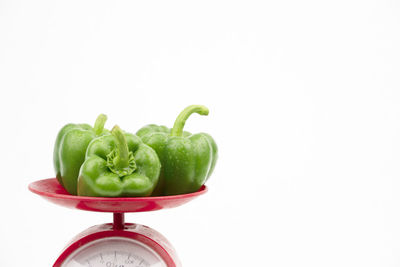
(187, 160)
(180, 121)
(118, 165)
(99, 124)
(120, 160)
(70, 148)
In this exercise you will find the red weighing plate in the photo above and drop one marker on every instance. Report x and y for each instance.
(51, 190)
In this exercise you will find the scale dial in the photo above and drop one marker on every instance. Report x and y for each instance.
(102, 245)
(114, 252)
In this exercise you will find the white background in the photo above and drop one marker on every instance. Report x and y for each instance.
(304, 100)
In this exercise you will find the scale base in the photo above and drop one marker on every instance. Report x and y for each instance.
(140, 233)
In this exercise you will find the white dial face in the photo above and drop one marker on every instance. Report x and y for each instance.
(114, 252)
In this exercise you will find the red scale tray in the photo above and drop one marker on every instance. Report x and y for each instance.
(51, 190)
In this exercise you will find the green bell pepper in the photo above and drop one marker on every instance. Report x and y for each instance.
(118, 165)
(70, 148)
(187, 160)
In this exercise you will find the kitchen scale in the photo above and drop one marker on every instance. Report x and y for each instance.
(116, 244)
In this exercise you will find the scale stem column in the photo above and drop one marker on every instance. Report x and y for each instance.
(119, 221)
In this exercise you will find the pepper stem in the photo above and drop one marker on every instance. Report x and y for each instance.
(121, 161)
(177, 130)
(99, 124)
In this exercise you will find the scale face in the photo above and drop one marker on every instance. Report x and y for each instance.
(116, 244)
(114, 252)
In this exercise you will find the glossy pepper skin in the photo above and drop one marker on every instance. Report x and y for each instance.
(187, 160)
(70, 149)
(118, 165)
